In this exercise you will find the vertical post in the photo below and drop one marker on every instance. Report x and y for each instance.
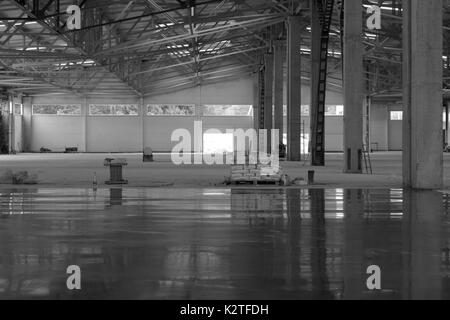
(422, 86)
(366, 121)
(36, 7)
(353, 86)
(85, 110)
(58, 11)
(279, 87)
(268, 98)
(294, 88)
(143, 115)
(446, 121)
(11, 124)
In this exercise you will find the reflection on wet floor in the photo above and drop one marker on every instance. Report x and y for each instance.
(224, 244)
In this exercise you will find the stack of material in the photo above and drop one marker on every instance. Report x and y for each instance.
(245, 172)
(255, 173)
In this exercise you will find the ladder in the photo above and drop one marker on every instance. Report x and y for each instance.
(367, 160)
(325, 10)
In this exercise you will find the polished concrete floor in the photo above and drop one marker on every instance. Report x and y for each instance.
(224, 243)
(77, 170)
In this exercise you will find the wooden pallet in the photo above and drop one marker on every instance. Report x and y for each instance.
(254, 174)
(255, 182)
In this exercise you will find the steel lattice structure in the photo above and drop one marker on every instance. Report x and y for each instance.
(147, 47)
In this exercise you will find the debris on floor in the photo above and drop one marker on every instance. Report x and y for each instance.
(71, 150)
(45, 150)
(6, 177)
(285, 180)
(299, 182)
(18, 178)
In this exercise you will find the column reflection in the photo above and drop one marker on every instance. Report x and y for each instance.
(318, 258)
(423, 239)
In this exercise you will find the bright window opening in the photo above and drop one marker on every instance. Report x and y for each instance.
(170, 110)
(18, 109)
(214, 143)
(228, 110)
(58, 110)
(330, 111)
(114, 110)
(304, 143)
(396, 115)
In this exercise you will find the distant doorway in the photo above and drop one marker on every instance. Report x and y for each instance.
(395, 130)
(214, 143)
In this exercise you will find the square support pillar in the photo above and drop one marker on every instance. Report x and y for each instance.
(294, 88)
(268, 97)
(279, 54)
(353, 86)
(422, 94)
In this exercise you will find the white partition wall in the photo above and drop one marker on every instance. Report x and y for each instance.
(113, 134)
(56, 132)
(158, 131)
(110, 132)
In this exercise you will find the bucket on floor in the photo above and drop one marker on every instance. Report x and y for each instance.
(311, 177)
(148, 155)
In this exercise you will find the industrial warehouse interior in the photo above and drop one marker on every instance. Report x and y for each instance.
(197, 150)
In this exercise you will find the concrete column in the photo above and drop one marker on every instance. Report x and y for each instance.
(268, 98)
(27, 124)
(423, 227)
(422, 94)
(353, 257)
(294, 88)
(279, 54)
(353, 86)
(85, 111)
